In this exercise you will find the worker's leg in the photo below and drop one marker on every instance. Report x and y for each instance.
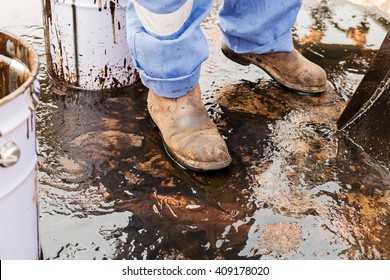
(167, 44)
(168, 48)
(259, 32)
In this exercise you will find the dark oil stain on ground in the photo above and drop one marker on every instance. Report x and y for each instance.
(297, 187)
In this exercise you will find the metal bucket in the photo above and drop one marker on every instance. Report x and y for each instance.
(19, 90)
(86, 43)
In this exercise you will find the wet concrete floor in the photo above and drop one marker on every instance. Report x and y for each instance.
(297, 187)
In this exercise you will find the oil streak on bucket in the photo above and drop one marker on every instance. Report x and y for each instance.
(19, 90)
(86, 43)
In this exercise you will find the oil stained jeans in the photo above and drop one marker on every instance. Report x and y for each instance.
(168, 46)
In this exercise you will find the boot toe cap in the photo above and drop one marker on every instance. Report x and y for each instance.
(204, 152)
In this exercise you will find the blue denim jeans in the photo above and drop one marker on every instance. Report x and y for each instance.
(168, 46)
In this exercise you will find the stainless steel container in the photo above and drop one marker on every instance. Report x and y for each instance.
(86, 43)
(19, 89)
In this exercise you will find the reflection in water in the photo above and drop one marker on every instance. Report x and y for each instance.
(296, 188)
(303, 184)
(359, 34)
(323, 16)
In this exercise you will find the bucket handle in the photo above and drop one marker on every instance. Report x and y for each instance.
(12, 160)
(9, 154)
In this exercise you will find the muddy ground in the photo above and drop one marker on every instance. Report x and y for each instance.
(297, 187)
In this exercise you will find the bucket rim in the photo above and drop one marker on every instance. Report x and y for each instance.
(34, 71)
(88, 4)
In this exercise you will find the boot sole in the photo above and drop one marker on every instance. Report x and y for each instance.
(195, 165)
(246, 62)
(190, 164)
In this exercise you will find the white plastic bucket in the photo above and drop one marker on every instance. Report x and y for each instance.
(86, 43)
(19, 89)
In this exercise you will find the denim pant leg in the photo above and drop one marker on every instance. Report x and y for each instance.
(167, 44)
(258, 26)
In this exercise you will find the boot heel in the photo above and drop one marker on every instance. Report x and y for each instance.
(234, 56)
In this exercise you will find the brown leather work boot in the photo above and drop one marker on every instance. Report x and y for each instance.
(290, 69)
(189, 135)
